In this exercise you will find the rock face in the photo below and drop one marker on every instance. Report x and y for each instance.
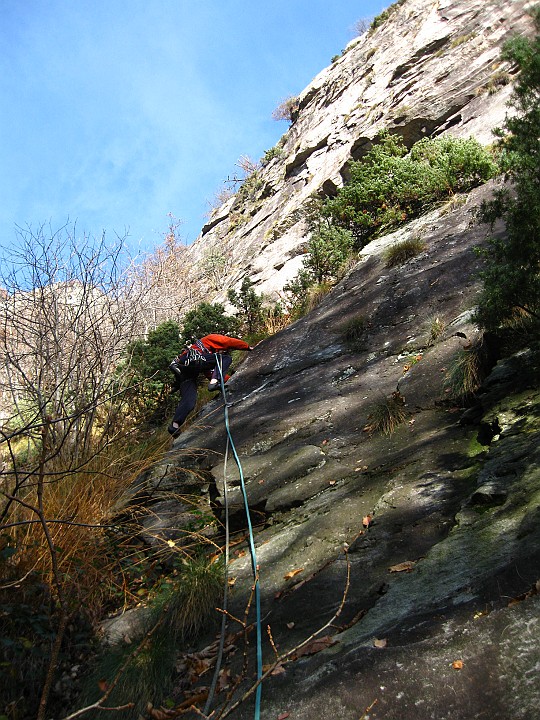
(416, 551)
(431, 67)
(440, 518)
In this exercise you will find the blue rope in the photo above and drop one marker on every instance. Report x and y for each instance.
(253, 554)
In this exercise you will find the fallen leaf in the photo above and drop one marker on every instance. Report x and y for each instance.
(367, 520)
(240, 553)
(224, 680)
(406, 566)
(278, 670)
(457, 664)
(292, 573)
(290, 625)
(283, 716)
(332, 482)
(316, 646)
(171, 543)
(380, 643)
(103, 685)
(231, 581)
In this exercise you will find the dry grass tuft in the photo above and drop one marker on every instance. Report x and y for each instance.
(386, 414)
(400, 252)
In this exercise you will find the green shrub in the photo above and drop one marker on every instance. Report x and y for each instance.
(388, 185)
(511, 276)
(400, 252)
(269, 155)
(328, 250)
(382, 17)
(249, 306)
(207, 318)
(150, 376)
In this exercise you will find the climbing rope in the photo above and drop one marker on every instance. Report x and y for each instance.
(253, 555)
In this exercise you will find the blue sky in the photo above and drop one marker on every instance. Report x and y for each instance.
(117, 113)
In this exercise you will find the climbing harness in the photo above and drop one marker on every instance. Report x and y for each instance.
(254, 565)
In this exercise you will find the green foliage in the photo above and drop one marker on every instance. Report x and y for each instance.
(400, 252)
(511, 277)
(328, 250)
(298, 290)
(382, 17)
(178, 611)
(269, 155)
(465, 373)
(150, 358)
(249, 306)
(27, 634)
(205, 319)
(149, 365)
(388, 186)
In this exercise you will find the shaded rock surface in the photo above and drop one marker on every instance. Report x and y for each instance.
(440, 520)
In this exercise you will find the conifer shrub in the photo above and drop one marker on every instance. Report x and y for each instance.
(390, 185)
(249, 305)
(511, 273)
(328, 250)
(207, 318)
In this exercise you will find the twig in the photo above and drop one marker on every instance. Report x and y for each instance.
(368, 709)
(286, 657)
(272, 643)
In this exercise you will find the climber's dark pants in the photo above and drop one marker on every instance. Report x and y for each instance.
(188, 385)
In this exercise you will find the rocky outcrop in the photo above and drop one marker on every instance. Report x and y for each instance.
(431, 67)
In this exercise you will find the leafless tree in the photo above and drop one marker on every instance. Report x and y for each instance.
(165, 279)
(67, 311)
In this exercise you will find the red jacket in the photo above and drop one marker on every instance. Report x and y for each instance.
(215, 343)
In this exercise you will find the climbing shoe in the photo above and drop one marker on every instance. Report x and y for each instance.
(213, 385)
(174, 431)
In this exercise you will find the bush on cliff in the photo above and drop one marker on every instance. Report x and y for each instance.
(511, 274)
(389, 185)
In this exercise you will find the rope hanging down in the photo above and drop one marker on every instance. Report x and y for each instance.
(253, 555)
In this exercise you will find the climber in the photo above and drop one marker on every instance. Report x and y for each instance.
(209, 356)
